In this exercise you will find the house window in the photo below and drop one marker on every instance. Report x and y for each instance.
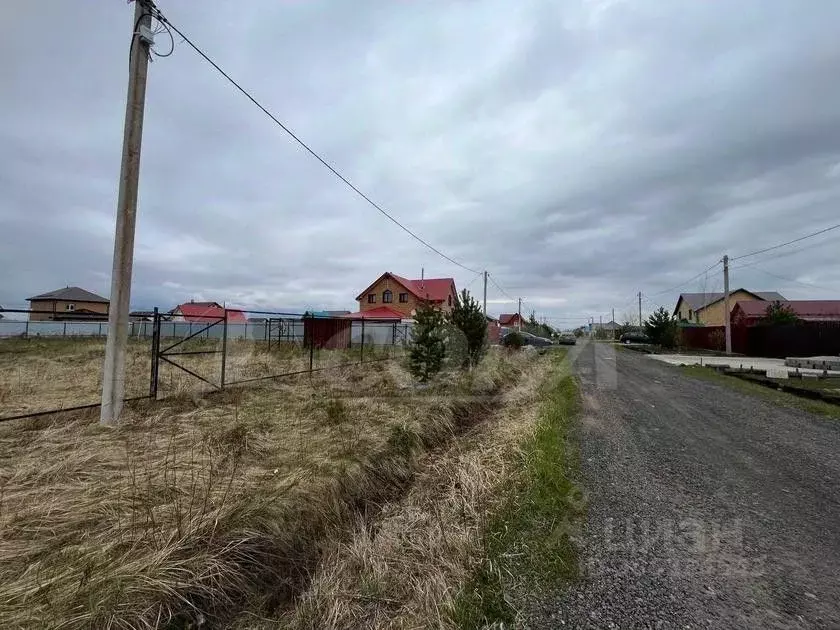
(371, 298)
(69, 307)
(689, 314)
(387, 296)
(449, 300)
(403, 298)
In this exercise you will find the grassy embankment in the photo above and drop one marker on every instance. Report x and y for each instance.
(528, 545)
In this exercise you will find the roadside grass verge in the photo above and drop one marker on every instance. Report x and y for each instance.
(783, 399)
(403, 566)
(528, 545)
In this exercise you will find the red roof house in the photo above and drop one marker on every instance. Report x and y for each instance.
(401, 295)
(752, 312)
(511, 320)
(206, 313)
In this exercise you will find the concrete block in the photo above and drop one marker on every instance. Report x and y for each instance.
(814, 363)
(777, 373)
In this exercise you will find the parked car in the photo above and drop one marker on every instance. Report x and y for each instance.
(528, 339)
(634, 337)
(533, 340)
(567, 340)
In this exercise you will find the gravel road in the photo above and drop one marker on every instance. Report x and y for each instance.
(707, 508)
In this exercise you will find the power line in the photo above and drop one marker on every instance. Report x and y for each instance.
(682, 284)
(655, 303)
(503, 292)
(796, 240)
(311, 151)
(796, 250)
(474, 279)
(764, 271)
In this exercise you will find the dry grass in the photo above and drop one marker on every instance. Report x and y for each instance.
(39, 374)
(405, 568)
(196, 508)
(42, 374)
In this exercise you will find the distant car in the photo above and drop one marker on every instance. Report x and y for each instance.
(634, 337)
(567, 340)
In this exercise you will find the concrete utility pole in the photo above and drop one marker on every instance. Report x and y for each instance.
(113, 375)
(485, 293)
(613, 316)
(727, 323)
(519, 319)
(640, 309)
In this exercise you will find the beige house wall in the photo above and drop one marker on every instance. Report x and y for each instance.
(713, 314)
(60, 307)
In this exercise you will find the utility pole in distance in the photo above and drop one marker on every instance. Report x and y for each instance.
(727, 323)
(519, 319)
(113, 375)
(485, 293)
(640, 309)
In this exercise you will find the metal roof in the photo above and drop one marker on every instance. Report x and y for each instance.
(697, 301)
(71, 294)
(804, 309)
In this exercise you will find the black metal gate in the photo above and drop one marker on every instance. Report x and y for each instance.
(166, 353)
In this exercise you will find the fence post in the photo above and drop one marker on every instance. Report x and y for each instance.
(362, 348)
(26, 331)
(100, 329)
(153, 382)
(311, 346)
(65, 329)
(224, 347)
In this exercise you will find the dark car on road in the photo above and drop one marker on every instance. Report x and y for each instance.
(634, 337)
(528, 339)
(567, 340)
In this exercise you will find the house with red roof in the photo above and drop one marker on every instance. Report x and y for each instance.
(391, 297)
(511, 320)
(753, 312)
(205, 313)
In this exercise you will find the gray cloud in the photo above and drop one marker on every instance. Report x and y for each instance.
(580, 151)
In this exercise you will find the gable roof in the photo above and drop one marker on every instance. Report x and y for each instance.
(72, 294)
(199, 312)
(699, 301)
(434, 289)
(507, 318)
(805, 309)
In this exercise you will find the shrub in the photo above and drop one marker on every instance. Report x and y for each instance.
(778, 313)
(513, 340)
(468, 319)
(661, 327)
(427, 349)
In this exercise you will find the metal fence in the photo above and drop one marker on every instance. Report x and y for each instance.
(52, 366)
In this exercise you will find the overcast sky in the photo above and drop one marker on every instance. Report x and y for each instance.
(580, 151)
